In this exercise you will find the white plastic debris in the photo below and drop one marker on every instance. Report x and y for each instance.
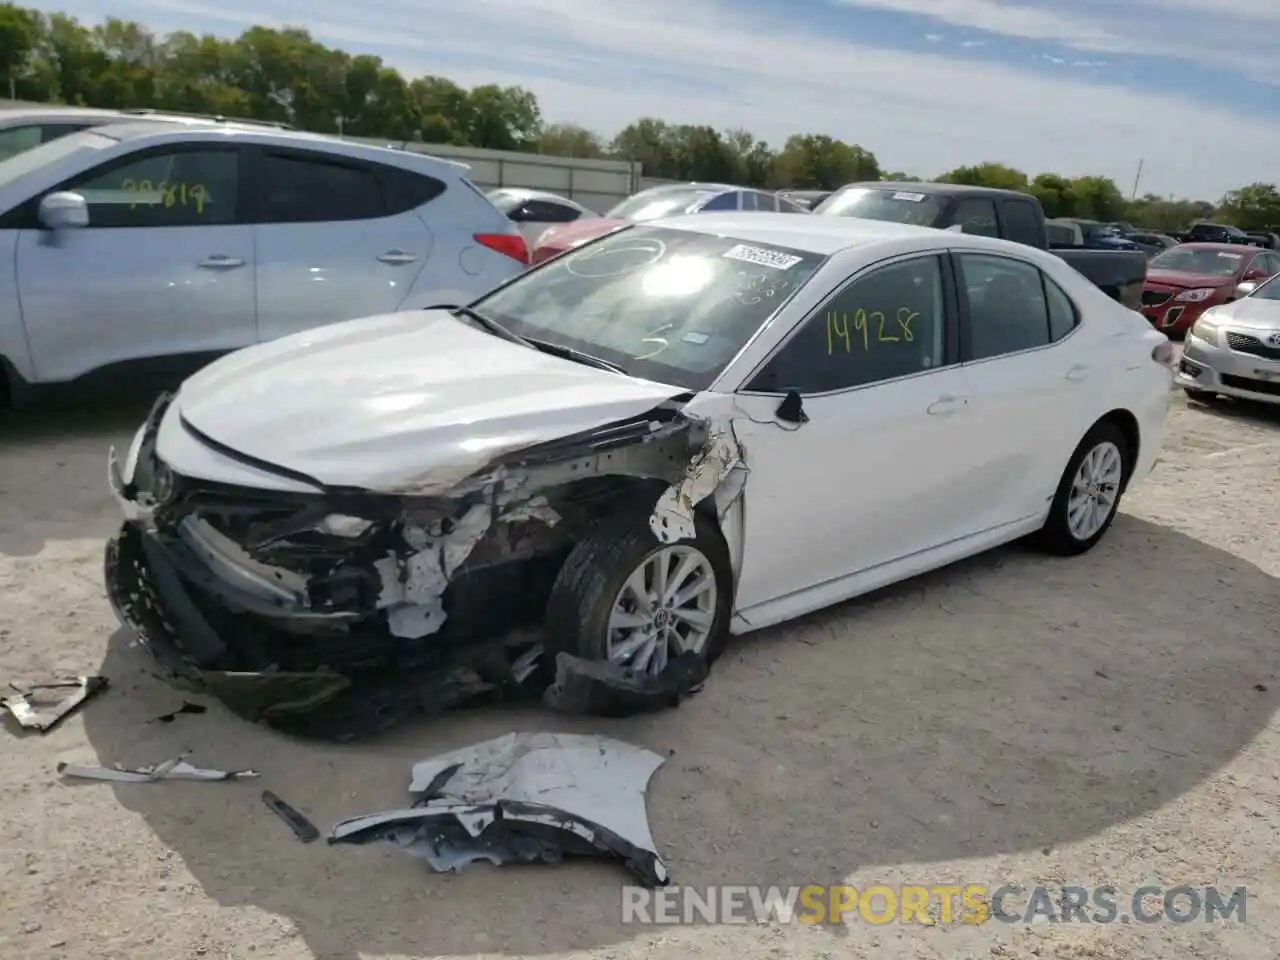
(175, 769)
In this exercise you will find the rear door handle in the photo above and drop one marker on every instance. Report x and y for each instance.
(220, 262)
(946, 405)
(398, 257)
(1078, 373)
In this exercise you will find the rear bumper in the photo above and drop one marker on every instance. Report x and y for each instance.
(1214, 369)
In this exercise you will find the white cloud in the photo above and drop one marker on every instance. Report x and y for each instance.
(933, 37)
(603, 64)
(974, 44)
(1239, 32)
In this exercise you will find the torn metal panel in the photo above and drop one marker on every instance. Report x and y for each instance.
(606, 689)
(175, 769)
(72, 692)
(536, 508)
(712, 467)
(525, 797)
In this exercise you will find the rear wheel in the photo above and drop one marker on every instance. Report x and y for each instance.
(1089, 492)
(624, 597)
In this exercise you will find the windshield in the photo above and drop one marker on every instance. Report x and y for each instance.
(1268, 290)
(1214, 263)
(659, 203)
(673, 306)
(21, 164)
(897, 206)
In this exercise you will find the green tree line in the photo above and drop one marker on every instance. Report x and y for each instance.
(286, 75)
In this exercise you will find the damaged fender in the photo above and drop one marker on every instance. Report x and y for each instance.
(531, 797)
(719, 469)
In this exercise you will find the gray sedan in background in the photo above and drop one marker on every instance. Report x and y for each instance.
(1234, 349)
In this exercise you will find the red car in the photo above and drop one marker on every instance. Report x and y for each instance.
(1186, 280)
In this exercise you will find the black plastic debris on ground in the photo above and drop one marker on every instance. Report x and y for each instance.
(605, 689)
(302, 828)
(186, 708)
(30, 703)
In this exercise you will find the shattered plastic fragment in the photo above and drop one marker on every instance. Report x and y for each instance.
(606, 689)
(175, 769)
(672, 517)
(534, 509)
(525, 797)
(76, 691)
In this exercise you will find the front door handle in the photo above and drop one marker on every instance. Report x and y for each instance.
(398, 257)
(1078, 373)
(220, 262)
(946, 405)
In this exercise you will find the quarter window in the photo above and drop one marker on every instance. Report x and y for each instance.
(1008, 308)
(886, 324)
(189, 188)
(977, 216)
(16, 140)
(304, 190)
(1063, 316)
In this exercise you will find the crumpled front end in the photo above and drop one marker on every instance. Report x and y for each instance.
(339, 612)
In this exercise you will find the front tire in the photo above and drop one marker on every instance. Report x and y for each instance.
(1088, 495)
(624, 597)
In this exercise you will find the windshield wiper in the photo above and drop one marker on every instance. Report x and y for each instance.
(577, 356)
(488, 322)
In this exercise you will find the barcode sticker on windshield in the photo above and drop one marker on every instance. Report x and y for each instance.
(913, 197)
(762, 257)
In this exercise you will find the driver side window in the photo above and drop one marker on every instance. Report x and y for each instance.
(886, 324)
(187, 188)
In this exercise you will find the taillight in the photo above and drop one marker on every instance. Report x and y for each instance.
(508, 244)
(1164, 354)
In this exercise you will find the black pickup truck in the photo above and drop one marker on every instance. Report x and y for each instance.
(993, 213)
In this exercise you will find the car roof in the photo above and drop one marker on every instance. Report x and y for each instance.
(1220, 247)
(525, 193)
(692, 185)
(11, 116)
(927, 188)
(167, 132)
(821, 235)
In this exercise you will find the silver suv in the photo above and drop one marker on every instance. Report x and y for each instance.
(154, 239)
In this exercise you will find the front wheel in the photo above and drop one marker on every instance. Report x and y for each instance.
(624, 597)
(1089, 492)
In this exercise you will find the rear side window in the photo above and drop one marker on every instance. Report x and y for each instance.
(293, 189)
(726, 201)
(1020, 222)
(544, 211)
(406, 190)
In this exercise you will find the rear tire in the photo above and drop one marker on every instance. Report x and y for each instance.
(592, 587)
(1088, 495)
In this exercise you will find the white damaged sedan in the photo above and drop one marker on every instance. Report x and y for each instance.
(588, 479)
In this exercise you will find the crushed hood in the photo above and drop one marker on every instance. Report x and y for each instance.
(410, 402)
(1254, 313)
(1180, 278)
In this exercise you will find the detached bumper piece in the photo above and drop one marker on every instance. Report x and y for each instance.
(526, 797)
(153, 586)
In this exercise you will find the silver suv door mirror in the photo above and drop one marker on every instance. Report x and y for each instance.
(64, 210)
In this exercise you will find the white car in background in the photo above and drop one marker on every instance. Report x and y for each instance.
(534, 211)
(686, 429)
(156, 239)
(1233, 350)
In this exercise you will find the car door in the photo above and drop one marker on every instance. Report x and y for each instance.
(336, 238)
(880, 468)
(164, 267)
(1028, 380)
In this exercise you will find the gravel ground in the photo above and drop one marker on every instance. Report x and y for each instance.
(1012, 719)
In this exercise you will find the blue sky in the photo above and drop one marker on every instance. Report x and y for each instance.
(1192, 87)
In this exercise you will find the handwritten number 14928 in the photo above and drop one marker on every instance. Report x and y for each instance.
(868, 328)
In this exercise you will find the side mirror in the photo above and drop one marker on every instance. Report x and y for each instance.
(791, 409)
(63, 210)
(1246, 288)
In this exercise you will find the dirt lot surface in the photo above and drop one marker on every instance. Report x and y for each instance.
(1013, 719)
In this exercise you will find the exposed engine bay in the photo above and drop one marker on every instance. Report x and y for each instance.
(341, 613)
